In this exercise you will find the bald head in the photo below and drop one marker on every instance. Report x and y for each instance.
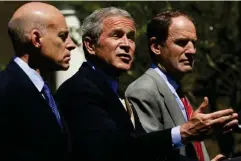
(37, 9)
(33, 15)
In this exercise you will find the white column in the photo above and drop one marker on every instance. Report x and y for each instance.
(77, 55)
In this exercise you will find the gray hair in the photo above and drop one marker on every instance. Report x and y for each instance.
(93, 24)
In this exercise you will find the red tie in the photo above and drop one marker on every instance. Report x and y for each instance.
(197, 144)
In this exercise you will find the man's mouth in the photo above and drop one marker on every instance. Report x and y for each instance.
(125, 57)
(67, 57)
(187, 61)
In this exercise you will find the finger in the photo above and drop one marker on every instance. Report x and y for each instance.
(235, 115)
(218, 157)
(230, 124)
(221, 113)
(203, 106)
(222, 120)
(227, 131)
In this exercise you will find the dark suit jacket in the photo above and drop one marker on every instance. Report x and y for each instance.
(100, 127)
(29, 129)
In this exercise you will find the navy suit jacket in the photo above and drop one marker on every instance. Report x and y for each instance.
(29, 129)
(99, 126)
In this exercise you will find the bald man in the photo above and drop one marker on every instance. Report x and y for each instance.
(32, 127)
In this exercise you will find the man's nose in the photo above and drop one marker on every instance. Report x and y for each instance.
(125, 44)
(70, 44)
(191, 49)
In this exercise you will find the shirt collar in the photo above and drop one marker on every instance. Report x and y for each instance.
(32, 74)
(166, 77)
(113, 83)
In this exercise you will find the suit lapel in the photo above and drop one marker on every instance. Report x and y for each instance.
(170, 101)
(24, 81)
(27, 85)
(114, 105)
(173, 108)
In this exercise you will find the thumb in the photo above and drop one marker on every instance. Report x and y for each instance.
(203, 106)
(218, 157)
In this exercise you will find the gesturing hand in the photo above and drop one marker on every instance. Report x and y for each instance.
(218, 157)
(201, 125)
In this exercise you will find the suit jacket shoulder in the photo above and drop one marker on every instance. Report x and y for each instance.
(99, 125)
(32, 129)
(155, 103)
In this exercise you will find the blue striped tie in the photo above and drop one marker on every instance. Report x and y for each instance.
(49, 98)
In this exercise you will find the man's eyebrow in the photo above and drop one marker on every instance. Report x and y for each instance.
(63, 33)
(186, 39)
(132, 31)
(121, 29)
(115, 30)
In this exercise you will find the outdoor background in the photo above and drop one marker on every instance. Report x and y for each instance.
(217, 71)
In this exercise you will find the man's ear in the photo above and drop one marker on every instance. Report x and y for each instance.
(89, 45)
(36, 38)
(155, 46)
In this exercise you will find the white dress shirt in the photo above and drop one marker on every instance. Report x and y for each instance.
(36, 79)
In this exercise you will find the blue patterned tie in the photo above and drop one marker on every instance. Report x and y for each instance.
(49, 98)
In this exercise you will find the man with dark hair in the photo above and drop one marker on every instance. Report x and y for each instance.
(157, 95)
(32, 127)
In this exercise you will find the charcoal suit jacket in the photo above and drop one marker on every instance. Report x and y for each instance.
(99, 126)
(29, 129)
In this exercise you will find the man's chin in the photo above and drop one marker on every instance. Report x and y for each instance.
(124, 69)
(187, 70)
(63, 67)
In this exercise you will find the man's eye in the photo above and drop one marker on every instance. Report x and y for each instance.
(117, 34)
(181, 43)
(131, 37)
(194, 43)
(63, 36)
